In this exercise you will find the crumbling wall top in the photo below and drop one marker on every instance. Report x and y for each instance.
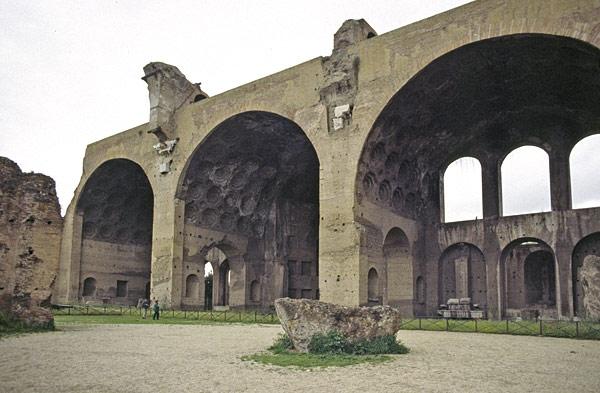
(351, 32)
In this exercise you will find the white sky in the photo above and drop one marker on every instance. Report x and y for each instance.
(70, 70)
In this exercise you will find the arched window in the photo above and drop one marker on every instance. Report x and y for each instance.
(585, 166)
(192, 286)
(89, 287)
(462, 190)
(373, 286)
(525, 181)
(255, 291)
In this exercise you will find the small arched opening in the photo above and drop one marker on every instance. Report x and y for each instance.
(525, 181)
(462, 274)
(192, 287)
(255, 291)
(528, 279)
(399, 271)
(462, 190)
(584, 163)
(373, 292)
(89, 287)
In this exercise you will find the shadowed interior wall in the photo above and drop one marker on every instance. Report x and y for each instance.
(117, 209)
(254, 184)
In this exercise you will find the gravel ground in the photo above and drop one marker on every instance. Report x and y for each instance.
(206, 358)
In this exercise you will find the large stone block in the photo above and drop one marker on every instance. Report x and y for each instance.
(303, 318)
(590, 281)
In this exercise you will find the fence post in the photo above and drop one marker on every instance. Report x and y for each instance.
(240, 315)
(272, 318)
(225, 315)
(541, 328)
(507, 326)
(87, 309)
(447, 325)
(69, 311)
(476, 330)
(576, 328)
(254, 316)
(420, 328)
(173, 313)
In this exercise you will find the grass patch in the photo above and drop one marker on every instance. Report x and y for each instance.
(329, 350)
(124, 319)
(309, 360)
(335, 343)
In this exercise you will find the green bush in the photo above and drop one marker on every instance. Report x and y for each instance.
(331, 343)
(379, 346)
(282, 344)
(336, 343)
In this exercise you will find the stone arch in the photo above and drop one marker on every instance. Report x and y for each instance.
(525, 174)
(585, 270)
(116, 207)
(544, 93)
(584, 164)
(374, 289)
(254, 180)
(462, 192)
(463, 274)
(89, 287)
(397, 169)
(192, 286)
(528, 279)
(399, 271)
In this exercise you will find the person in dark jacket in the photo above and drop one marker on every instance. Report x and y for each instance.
(156, 310)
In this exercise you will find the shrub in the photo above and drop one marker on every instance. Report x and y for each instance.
(379, 345)
(332, 343)
(282, 344)
(335, 343)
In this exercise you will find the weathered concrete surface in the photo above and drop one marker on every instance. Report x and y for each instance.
(303, 318)
(590, 281)
(30, 231)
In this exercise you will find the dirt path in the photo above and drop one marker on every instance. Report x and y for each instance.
(176, 358)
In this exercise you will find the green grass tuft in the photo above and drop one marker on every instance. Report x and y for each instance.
(282, 344)
(309, 360)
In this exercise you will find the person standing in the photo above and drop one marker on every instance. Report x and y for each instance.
(145, 307)
(156, 310)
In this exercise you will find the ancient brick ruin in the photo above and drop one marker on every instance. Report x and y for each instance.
(30, 234)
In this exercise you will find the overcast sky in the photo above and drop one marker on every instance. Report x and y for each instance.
(70, 70)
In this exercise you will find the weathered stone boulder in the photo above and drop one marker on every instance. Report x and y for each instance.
(589, 276)
(303, 318)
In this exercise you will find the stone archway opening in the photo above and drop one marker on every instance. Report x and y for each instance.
(399, 271)
(116, 210)
(254, 182)
(224, 283)
(481, 100)
(462, 271)
(528, 280)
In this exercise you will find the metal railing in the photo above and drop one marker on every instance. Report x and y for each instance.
(546, 328)
(198, 315)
